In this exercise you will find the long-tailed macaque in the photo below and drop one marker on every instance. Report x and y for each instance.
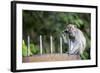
(75, 39)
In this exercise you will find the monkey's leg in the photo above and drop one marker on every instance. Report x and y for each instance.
(74, 49)
(76, 52)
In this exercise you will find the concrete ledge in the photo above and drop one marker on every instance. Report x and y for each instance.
(50, 57)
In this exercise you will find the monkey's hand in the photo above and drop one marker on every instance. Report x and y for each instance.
(64, 38)
(74, 48)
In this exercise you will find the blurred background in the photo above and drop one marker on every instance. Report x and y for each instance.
(46, 23)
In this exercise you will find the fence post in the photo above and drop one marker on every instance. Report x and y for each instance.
(28, 45)
(51, 44)
(61, 45)
(41, 49)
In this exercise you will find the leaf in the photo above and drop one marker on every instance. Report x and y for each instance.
(34, 49)
(25, 50)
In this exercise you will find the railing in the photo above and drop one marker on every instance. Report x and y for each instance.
(41, 44)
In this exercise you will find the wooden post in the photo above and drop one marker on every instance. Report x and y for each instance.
(61, 45)
(51, 44)
(41, 45)
(28, 45)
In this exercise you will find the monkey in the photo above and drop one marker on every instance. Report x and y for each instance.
(75, 39)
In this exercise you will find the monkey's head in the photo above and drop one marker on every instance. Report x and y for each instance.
(71, 31)
(70, 28)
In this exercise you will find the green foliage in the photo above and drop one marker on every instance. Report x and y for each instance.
(25, 51)
(34, 49)
(85, 56)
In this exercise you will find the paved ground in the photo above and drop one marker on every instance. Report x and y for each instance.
(50, 57)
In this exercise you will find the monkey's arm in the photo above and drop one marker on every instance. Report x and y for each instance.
(64, 38)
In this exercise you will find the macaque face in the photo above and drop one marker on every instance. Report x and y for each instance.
(70, 29)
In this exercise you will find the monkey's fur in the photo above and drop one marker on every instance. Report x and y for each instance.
(75, 40)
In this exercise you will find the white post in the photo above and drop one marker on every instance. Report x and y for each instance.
(40, 44)
(28, 38)
(51, 44)
(61, 45)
